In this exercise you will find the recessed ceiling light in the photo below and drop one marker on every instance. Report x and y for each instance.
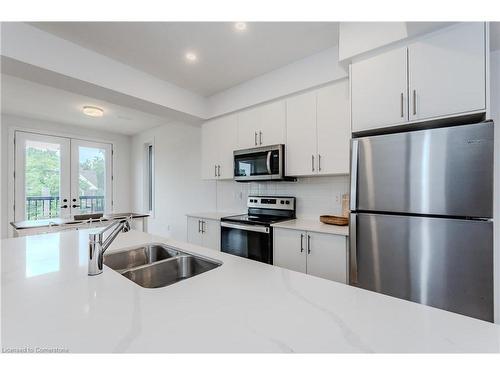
(191, 57)
(93, 111)
(240, 26)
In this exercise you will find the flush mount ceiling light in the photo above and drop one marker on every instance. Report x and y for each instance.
(93, 111)
(191, 57)
(240, 26)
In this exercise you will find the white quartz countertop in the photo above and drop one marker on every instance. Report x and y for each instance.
(48, 301)
(313, 226)
(212, 215)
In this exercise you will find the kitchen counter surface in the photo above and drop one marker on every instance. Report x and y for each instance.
(313, 226)
(48, 301)
(212, 215)
(31, 224)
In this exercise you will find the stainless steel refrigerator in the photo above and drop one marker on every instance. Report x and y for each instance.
(421, 224)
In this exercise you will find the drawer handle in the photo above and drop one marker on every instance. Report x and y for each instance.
(308, 244)
(301, 242)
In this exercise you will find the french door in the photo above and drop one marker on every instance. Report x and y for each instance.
(60, 177)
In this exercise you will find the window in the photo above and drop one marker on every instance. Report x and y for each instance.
(150, 176)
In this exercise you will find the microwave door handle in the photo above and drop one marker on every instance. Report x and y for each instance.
(268, 162)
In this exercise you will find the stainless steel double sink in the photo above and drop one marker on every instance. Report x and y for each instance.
(158, 265)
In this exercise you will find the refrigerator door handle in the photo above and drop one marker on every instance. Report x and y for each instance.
(354, 174)
(353, 251)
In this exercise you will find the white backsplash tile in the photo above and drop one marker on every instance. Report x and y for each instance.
(315, 195)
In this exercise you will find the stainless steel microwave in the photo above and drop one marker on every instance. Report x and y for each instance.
(260, 164)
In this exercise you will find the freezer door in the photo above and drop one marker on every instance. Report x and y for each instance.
(445, 263)
(446, 171)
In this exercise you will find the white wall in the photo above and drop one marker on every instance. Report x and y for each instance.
(178, 186)
(121, 161)
(495, 114)
(309, 72)
(315, 195)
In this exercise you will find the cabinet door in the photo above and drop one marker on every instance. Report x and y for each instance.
(300, 146)
(211, 234)
(271, 127)
(194, 230)
(334, 130)
(379, 91)
(447, 72)
(247, 125)
(209, 150)
(289, 249)
(327, 256)
(226, 142)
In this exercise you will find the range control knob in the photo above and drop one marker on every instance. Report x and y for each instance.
(282, 202)
(287, 202)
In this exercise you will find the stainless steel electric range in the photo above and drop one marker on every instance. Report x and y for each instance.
(251, 235)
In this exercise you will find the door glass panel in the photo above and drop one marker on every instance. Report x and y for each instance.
(42, 182)
(91, 179)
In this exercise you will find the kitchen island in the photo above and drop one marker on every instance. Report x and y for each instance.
(48, 301)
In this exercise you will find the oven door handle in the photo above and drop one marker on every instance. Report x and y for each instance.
(251, 228)
(268, 162)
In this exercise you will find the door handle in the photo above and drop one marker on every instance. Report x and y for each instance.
(75, 205)
(260, 137)
(414, 102)
(353, 251)
(312, 163)
(308, 244)
(354, 174)
(402, 105)
(268, 162)
(301, 242)
(255, 138)
(65, 206)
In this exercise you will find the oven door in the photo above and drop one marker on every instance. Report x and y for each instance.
(247, 241)
(262, 163)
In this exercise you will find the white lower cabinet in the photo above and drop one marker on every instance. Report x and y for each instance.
(317, 254)
(203, 232)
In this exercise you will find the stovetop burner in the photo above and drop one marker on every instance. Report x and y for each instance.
(266, 210)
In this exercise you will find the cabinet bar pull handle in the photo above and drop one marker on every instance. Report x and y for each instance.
(319, 162)
(202, 226)
(255, 138)
(414, 102)
(402, 105)
(215, 172)
(199, 222)
(218, 171)
(301, 242)
(312, 163)
(308, 244)
(260, 137)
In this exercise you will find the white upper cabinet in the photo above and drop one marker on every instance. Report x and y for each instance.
(379, 91)
(301, 136)
(318, 131)
(447, 72)
(218, 141)
(262, 126)
(333, 128)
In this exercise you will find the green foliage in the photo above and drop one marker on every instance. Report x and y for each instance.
(42, 171)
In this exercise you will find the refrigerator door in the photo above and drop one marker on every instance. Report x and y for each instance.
(445, 263)
(445, 171)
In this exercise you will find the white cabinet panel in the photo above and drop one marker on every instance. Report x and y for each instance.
(317, 254)
(209, 150)
(226, 142)
(327, 256)
(447, 72)
(334, 130)
(301, 135)
(203, 232)
(379, 91)
(194, 230)
(289, 249)
(211, 234)
(262, 126)
(218, 141)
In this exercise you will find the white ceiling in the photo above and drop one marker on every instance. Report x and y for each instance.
(225, 57)
(29, 99)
